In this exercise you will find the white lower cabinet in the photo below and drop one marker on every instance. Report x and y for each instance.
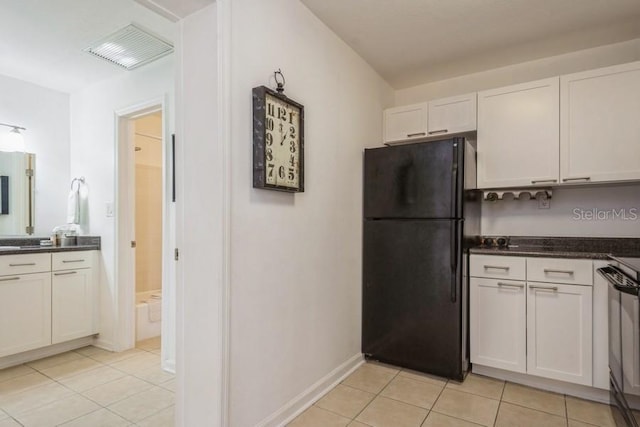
(25, 311)
(559, 332)
(498, 324)
(539, 328)
(72, 305)
(40, 307)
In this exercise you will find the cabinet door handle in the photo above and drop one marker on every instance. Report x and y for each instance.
(496, 267)
(6, 279)
(409, 135)
(431, 132)
(65, 273)
(22, 265)
(582, 178)
(569, 272)
(543, 181)
(510, 285)
(545, 288)
(72, 260)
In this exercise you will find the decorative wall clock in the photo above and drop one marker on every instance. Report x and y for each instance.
(278, 140)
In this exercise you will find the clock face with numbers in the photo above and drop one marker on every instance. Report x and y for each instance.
(278, 141)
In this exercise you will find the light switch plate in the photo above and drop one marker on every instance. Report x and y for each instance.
(109, 209)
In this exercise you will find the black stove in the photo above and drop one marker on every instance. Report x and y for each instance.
(624, 289)
(632, 263)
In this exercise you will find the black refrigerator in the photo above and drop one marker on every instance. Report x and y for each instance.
(421, 213)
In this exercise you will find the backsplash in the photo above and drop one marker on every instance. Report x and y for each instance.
(589, 211)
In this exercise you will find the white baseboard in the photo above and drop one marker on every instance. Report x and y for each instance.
(576, 390)
(169, 365)
(104, 344)
(301, 402)
(39, 353)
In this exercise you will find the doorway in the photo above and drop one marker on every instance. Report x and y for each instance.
(145, 270)
(148, 171)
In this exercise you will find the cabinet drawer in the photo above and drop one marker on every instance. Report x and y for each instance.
(498, 267)
(556, 270)
(24, 264)
(72, 260)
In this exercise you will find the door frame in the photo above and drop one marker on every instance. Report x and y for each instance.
(125, 316)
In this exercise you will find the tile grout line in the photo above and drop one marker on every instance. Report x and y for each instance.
(375, 395)
(495, 418)
(534, 409)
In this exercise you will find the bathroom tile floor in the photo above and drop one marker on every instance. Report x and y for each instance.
(89, 387)
(384, 396)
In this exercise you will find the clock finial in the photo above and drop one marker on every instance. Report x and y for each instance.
(280, 87)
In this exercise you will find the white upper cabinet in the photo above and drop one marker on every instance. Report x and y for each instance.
(600, 124)
(405, 123)
(452, 115)
(518, 135)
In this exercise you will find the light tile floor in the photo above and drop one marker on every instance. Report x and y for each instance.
(384, 396)
(89, 387)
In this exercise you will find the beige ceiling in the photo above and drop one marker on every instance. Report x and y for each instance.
(410, 42)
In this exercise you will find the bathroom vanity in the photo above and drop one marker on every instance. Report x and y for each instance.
(48, 297)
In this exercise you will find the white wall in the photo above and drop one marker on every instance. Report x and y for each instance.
(523, 218)
(45, 114)
(93, 153)
(200, 176)
(296, 258)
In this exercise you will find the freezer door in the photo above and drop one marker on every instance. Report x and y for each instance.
(413, 295)
(414, 181)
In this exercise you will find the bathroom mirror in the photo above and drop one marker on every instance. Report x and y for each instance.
(17, 195)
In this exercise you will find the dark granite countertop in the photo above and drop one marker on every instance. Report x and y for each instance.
(30, 245)
(565, 247)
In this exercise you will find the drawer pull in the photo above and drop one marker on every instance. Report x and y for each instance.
(72, 260)
(22, 265)
(409, 135)
(432, 132)
(545, 181)
(549, 270)
(6, 279)
(582, 178)
(65, 273)
(496, 267)
(544, 288)
(510, 285)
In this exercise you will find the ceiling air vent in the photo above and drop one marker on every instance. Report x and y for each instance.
(130, 47)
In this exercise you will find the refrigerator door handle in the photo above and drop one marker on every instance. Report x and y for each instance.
(454, 182)
(454, 260)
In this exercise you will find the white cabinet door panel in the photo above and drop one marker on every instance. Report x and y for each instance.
(405, 123)
(600, 126)
(452, 115)
(518, 135)
(498, 324)
(72, 305)
(559, 332)
(25, 312)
